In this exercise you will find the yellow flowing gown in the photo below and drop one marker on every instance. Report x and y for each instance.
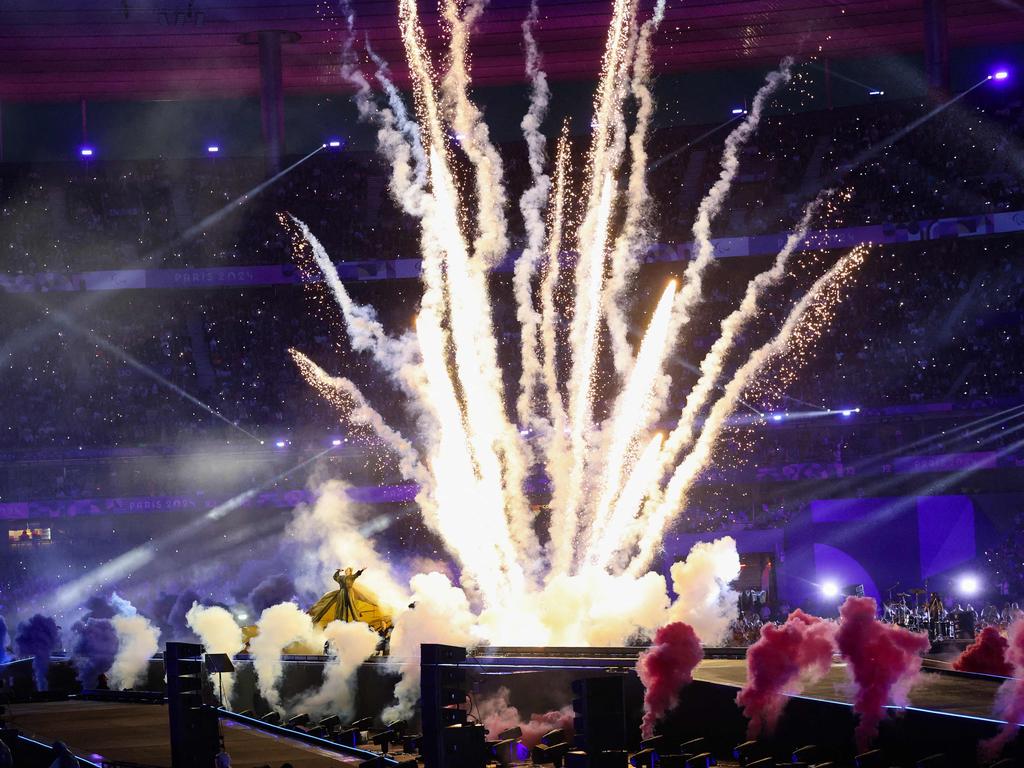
(349, 603)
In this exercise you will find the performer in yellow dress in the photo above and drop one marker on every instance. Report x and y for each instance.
(349, 603)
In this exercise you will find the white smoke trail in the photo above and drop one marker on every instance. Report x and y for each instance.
(332, 535)
(279, 627)
(473, 135)
(395, 131)
(821, 297)
(712, 203)
(440, 614)
(347, 398)
(219, 633)
(634, 233)
(410, 192)
(531, 204)
(704, 599)
(137, 641)
(349, 645)
(366, 333)
(497, 450)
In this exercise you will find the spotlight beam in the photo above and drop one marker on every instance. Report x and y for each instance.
(217, 216)
(892, 138)
(73, 594)
(144, 369)
(679, 150)
(936, 487)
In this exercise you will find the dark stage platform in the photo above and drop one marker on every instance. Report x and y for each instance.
(139, 733)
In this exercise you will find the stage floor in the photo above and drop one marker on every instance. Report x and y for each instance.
(948, 694)
(139, 733)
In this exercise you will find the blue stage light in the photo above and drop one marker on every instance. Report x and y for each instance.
(86, 152)
(213, 149)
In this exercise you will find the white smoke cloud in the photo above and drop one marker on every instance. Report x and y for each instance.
(704, 599)
(219, 633)
(137, 640)
(350, 644)
(441, 614)
(279, 627)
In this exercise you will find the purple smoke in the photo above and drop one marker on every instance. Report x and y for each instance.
(279, 588)
(4, 638)
(38, 637)
(95, 649)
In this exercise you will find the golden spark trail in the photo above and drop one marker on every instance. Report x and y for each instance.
(345, 395)
(584, 340)
(645, 472)
(632, 414)
(819, 300)
(711, 366)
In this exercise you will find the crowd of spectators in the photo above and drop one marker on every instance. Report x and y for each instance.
(105, 215)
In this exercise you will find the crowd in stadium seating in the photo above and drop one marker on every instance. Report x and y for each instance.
(115, 215)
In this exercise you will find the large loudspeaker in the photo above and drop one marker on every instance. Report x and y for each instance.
(600, 714)
(194, 737)
(448, 740)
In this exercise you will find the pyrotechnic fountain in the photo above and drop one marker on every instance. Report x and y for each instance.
(616, 483)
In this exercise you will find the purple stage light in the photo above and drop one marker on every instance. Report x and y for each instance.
(830, 589)
(1002, 74)
(213, 149)
(334, 144)
(86, 152)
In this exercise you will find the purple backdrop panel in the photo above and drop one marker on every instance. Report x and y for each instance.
(843, 510)
(833, 564)
(945, 530)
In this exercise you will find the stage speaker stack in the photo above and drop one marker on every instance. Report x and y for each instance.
(449, 741)
(599, 715)
(194, 737)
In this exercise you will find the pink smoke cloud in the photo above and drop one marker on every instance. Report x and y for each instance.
(784, 659)
(987, 655)
(883, 661)
(665, 668)
(497, 715)
(1010, 700)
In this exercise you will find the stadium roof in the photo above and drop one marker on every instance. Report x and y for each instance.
(66, 49)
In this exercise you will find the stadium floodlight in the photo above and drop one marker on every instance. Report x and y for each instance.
(334, 144)
(213, 149)
(1001, 74)
(969, 585)
(876, 92)
(86, 152)
(847, 412)
(739, 111)
(776, 417)
(336, 442)
(281, 443)
(830, 589)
